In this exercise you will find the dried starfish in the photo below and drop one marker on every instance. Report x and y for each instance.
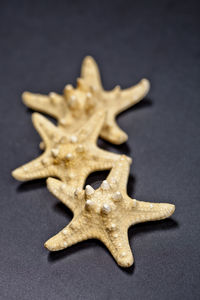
(74, 107)
(105, 213)
(69, 157)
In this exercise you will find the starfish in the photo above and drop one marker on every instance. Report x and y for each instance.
(69, 157)
(74, 107)
(105, 213)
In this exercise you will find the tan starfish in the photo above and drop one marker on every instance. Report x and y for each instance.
(69, 157)
(74, 107)
(105, 213)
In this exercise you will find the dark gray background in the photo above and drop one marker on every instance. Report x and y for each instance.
(42, 44)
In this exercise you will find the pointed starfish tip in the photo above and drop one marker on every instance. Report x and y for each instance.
(146, 83)
(166, 210)
(125, 260)
(88, 59)
(54, 185)
(50, 181)
(56, 243)
(18, 174)
(14, 172)
(36, 117)
(51, 244)
(122, 138)
(171, 209)
(26, 96)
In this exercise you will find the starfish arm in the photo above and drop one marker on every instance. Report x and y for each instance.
(71, 177)
(111, 131)
(46, 129)
(79, 180)
(131, 96)
(90, 72)
(118, 245)
(102, 160)
(91, 130)
(146, 211)
(80, 175)
(52, 104)
(40, 167)
(77, 231)
(119, 173)
(69, 196)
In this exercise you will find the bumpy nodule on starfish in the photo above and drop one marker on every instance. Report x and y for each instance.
(74, 107)
(105, 213)
(69, 157)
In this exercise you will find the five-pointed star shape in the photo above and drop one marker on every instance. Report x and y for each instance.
(76, 105)
(69, 157)
(105, 213)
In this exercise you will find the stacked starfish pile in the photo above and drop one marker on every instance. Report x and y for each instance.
(70, 153)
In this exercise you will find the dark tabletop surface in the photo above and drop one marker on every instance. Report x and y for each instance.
(42, 44)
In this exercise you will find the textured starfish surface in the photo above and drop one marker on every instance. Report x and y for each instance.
(69, 157)
(74, 107)
(105, 213)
